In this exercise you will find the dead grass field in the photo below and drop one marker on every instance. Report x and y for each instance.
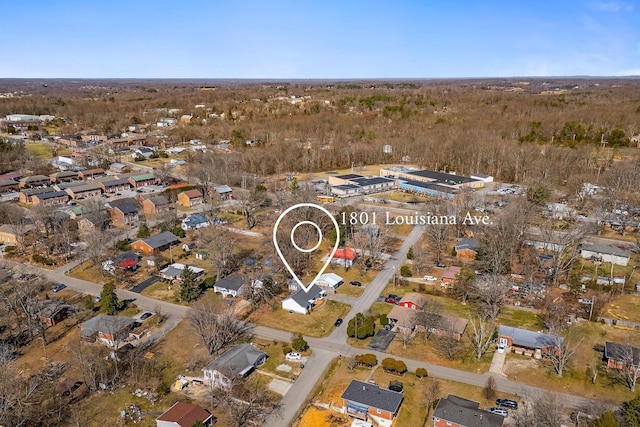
(623, 308)
(318, 323)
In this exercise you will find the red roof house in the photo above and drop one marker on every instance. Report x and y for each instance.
(344, 257)
(183, 414)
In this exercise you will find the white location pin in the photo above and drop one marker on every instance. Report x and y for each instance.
(331, 254)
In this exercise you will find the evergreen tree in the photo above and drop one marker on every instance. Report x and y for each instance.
(143, 231)
(190, 288)
(606, 419)
(363, 325)
(109, 302)
(299, 343)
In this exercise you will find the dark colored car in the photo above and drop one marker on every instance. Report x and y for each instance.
(58, 287)
(507, 403)
(355, 283)
(392, 299)
(338, 322)
(146, 315)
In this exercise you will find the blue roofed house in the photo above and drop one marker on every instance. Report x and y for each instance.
(194, 222)
(302, 302)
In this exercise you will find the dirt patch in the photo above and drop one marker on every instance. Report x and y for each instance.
(515, 364)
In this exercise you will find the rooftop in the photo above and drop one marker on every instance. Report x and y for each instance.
(374, 396)
(465, 412)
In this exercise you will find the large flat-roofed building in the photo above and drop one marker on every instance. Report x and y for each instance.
(434, 177)
(354, 185)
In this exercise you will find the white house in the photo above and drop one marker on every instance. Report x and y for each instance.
(330, 280)
(605, 254)
(301, 302)
(232, 285)
(195, 221)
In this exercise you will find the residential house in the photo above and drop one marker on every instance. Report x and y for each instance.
(344, 257)
(83, 191)
(188, 247)
(143, 152)
(618, 356)
(123, 211)
(231, 286)
(238, 361)
(8, 233)
(413, 300)
(125, 261)
(34, 181)
(330, 280)
(527, 342)
(603, 253)
(62, 186)
(93, 222)
(90, 174)
(302, 302)
(186, 118)
(174, 271)
(183, 414)
(194, 222)
(63, 176)
(190, 198)
(51, 311)
(155, 205)
(454, 411)
(143, 180)
(158, 243)
(466, 249)
(221, 192)
(108, 329)
(449, 276)
(8, 185)
(407, 320)
(118, 168)
(50, 198)
(113, 186)
(365, 401)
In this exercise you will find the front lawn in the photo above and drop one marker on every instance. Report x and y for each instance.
(318, 323)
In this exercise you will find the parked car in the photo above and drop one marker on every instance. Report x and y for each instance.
(392, 299)
(293, 356)
(501, 348)
(498, 411)
(97, 298)
(146, 315)
(430, 278)
(507, 403)
(338, 322)
(58, 287)
(355, 283)
(440, 265)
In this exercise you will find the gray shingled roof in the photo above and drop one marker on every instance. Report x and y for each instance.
(621, 352)
(527, 339)
(51, 195)
(609, 250)
(232, 283)
(303, 298)
(162, 239)
(237, 360)
(105, 323)
(465, 413)
(371, 395)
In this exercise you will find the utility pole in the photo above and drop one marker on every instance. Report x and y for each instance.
(593, 300)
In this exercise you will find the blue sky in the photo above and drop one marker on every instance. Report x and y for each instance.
(319, 39)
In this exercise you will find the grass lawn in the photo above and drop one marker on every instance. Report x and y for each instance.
(510, 316)
(623, 308)
(39, 151)
(399, 196)
(412, 412)
(318, 323)
(575, 380)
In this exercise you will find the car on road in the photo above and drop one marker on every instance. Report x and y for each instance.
(58, 287)
(507, 403)
(293, 356)
(430, 278)
(338, 322)
(355, 283)
(498, 411)
(146, 315)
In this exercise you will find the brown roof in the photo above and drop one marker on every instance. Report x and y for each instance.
(185, 414)
(192, 194)
(415, 298)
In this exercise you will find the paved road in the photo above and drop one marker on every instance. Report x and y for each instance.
(324, 349)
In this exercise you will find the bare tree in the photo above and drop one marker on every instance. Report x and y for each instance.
(627, 360)
(246, 400)
(482, 329)
(562, 347)
(216, 326)
(222, 243)
(430, 394)
(539, 410)
(448, 343)
(491, 295)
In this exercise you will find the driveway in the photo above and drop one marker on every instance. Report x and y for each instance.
(145, 284)
(497, 362)
(382, 340)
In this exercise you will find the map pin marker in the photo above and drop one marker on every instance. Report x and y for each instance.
(317, 227)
